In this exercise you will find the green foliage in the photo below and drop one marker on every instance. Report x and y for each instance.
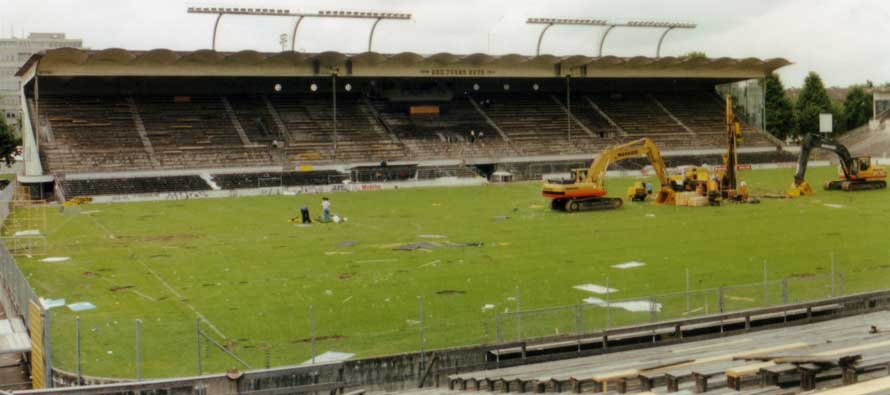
(812, 101)
(696, 55)
(8, 142)
(780, 117)
(857, 108)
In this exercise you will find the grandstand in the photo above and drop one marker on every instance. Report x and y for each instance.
(163, 121)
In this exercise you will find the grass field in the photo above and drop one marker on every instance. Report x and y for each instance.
(252, 275)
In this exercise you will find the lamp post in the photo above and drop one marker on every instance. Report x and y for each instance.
(550, 22)
(281, 12)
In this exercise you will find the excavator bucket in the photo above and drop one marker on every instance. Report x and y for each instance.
(803, 189)
(666, 196)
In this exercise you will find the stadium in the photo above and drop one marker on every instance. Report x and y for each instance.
(153, 241)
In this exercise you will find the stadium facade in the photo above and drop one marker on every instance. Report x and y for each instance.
(165, 121)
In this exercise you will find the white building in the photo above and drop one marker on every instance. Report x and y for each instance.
(14, 52)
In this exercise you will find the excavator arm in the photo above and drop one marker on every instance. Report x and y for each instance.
(812, 141)
(856, 173)
(634, 149)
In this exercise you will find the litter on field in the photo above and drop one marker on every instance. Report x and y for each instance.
(51, 303)
(650, 215)
(81, 306)
(432, 236)
(597, 289)
(417, 246)
(628, 265)
(330, 253)
(29, 232)
(832, 205)
(330, 357)
(487, 307)
(634, 306)
(54, 259)
(347, 243)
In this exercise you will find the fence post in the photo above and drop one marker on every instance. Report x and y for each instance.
(497, 326)
(198, 342)
(420, 318)
(653, 311)
(579, 319)
(765, 285)
(77, 345)
(518, 317)
(688, 304)
(138, 350)
(720, 305)
(312, 332)
(47, 349)
(784, 291)
(833, 289)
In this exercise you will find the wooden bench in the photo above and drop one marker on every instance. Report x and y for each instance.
(601, 381)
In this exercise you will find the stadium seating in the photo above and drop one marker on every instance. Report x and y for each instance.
(87, 134)
(126, 186)
(272, 179)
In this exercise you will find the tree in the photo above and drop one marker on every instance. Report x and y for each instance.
(8, 142)
(857, 108)
(780, 120)
(812, 101)
(696, 55)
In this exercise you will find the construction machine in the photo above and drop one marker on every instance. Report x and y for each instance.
(856, 173)
(585, 190)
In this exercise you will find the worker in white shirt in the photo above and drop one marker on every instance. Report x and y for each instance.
(325, 210)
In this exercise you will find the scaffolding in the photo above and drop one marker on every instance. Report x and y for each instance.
(24, 231)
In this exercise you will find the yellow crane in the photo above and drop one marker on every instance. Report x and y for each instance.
(585, 190)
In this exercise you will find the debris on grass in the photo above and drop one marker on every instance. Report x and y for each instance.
(347, 299)
(597, 289)
(831, 205)
(417, 246)
(487, 307)
(470, 244)
(432, 236)
(347, 243)
(54, 259)
(309, 339)
(628, 265)
(740, 298)
(81, 306)
(450, 292)
(29, 232)
(51, 303)
(376, 261)
(303, 225)
(501, 218)
(329, 357)
(89, 212)
(346, 276)
(412, 322)
(328, 292)
(330, 253)
(121, 288)
(634, 306)
(650, 215)
(433, 263)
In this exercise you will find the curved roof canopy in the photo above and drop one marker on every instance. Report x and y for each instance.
(162, 62)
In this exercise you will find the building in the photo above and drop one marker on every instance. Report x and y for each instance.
(14, 52)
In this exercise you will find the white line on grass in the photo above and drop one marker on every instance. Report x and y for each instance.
(180, 297)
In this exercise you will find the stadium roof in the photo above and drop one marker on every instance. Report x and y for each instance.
(167, 63)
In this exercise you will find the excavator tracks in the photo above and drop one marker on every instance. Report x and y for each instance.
(855, 186)
(587, 204)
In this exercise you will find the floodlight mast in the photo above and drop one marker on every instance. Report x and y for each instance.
(668, 26)
(220, 11)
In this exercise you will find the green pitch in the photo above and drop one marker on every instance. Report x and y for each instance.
(252, 275)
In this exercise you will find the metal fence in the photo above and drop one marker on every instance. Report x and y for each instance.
(15, 284)
(596, 315)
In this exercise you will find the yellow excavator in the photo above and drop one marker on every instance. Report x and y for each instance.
(585, 190)
(856, 173)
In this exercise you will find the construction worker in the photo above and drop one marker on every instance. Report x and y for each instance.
(304, 212)
(325, 210)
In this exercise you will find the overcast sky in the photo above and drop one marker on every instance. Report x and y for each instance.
(846, 41)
